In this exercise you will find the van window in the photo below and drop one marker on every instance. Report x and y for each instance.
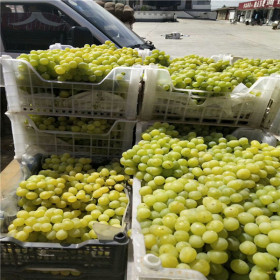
(108, 24)
(33, 26)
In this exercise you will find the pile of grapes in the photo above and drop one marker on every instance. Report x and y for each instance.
(87, 64)
(211, 203)
(201, 73)
(66, 198)
(73, 124)
(157, 57)
(93, 63)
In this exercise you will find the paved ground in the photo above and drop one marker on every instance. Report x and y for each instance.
(212, 37)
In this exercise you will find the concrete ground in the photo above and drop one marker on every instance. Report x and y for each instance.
(207, 38)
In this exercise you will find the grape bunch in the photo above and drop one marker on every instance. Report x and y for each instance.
(201, 73)
(217, 78)
(55, 166)
(93, 63)
(87, 64)
(249, 70)
(73, 124)
(157, 57)
(63, 202)
(211, 203)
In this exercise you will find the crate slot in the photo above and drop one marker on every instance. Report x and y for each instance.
(28, 136)
(188, 106)
(27, 91)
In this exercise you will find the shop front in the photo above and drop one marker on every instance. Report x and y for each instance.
(260, 11)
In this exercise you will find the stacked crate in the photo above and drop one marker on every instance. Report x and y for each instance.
(107, 111)
(114, 100)
(199, 107)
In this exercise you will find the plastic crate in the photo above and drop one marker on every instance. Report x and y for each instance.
(40, 275)
(240, 109)
(28, 137)
(148, 266)
(272, 118)
(114, 97)
(256, 134)
(226, 57)
(275, 125)
(94, 258)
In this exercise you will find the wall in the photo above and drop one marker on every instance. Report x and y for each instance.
(201, 5)
(222, 15)
(154, 15)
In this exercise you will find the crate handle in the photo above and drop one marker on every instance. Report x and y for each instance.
(152, 261)
(51, 269)
(120, 237)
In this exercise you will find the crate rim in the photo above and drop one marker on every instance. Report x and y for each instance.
(190, 91)
(33, 125)
(9, 58)
(66, 246)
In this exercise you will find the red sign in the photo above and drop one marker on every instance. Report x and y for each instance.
(276, 3)
(259, 4)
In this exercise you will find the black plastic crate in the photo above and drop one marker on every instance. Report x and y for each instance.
(37, 275)
(95, 259)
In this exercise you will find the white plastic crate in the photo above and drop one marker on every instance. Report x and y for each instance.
(239, 109)
(148, 266)
(275, 125)
(27, 137)
(272, 118)
(226, 57)
(113, 97)
(256, 134)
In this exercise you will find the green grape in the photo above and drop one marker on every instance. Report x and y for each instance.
(251, 229)
(201, 265)
(61, 234)
(261, 240)
(239, 266)
(168, 249)
(248, 248)
(258, 273)
(265, 261)
(274, 235)
(221, 244)
(196, 241)
(210, 237)
(198, 229)
(168, 260)
(150, 240)
(273, 249)
(217, 257)
(22, 235)
(187, 255)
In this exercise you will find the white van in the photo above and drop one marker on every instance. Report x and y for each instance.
(36, 24)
